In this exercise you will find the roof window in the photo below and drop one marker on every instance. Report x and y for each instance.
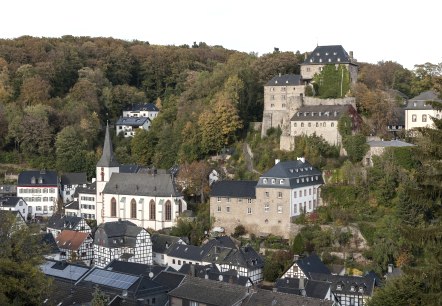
(339, 59)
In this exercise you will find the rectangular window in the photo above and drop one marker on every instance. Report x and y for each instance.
(228, 209)
(266, 207)
(413, 118)
(218, 199)
(309, 191)
(309, 204)
(267, 194)
(279, 209)
(279, 195)
(249, 210)
(294, 194)
(219, 208)
(249, 200)
(228, 200)
(424, 118)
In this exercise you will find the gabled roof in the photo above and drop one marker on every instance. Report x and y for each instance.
(209, 292)
(313, 288)
(117, 234)
(323, 55)
(428, 95)
(71, 240)
(294, 174)
(222, 241)
(237, 189)
(61, 222)
(244, 257)
(169, 279)
(160, 185)
(74, 178)
(38, 178)
(347, 284)
(74, 205)
(161, 242)
(8, 189)
(212, 272)
(266, 297)
(137, 107)
(129, 168)
(49, 240)
(321, 112)
(89, 189)
(11, 201)
(188, 252)
(63, 270)
(107, 158)
(312, 264)
(134, 268)
(285, 80)
(133, 121)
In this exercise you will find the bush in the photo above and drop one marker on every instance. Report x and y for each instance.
(240, 230)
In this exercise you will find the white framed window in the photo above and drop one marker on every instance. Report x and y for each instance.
(264, 181)
(249, 200)
(279, 209)
(266, 207)
(219, 209)
(281, 181)
(249, 210)
(218, 199)
(273, 181)
(279, 195)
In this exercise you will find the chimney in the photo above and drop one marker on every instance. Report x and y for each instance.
(280, 74)
(277, 161)
(351, 54)
(192, 270)
(390, 268)
(295, 257)
(305, 55)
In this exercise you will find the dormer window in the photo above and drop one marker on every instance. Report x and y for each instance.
(352, 288)
(302, 180)
(281, 181)
(334, 53)
(273, 181)
(361, 289)
(311, 60)
(339, 287)
(339, 59)
(264, 181)
(320, 114)
(317, 54)
(329, 60)
(297, 181)
(320, 60)
(326, 53)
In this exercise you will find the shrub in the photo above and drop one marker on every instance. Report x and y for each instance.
(239, 231)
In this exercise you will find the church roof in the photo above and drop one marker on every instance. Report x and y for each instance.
(107, 158)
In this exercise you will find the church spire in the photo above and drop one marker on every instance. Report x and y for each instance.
(107, 158)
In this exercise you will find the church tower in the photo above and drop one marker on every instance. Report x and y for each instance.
(107, 165)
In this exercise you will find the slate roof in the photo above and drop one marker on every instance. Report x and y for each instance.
(420, 101)
(89, 189)
(322, 55)
(389, 143)
(132, 121)
(117, 234)
(312, 288)
(222, 241)
(265, 298)
(161, 242)
(188, 252)
(321, 112)
(129, 168)
(291, 171)
(285, 80)
(244, 257)
(158, 185)
(61, 222)
(398, 117)
(71, 240)
(346, 283)
(237, 189)
(10, 201)
(136, 107)
(107, 158)
(32, 178)
(312, 264)
(8, 189)
(49, 240)
(74, 179)
(209, 292)
(212, 272)
(74, 205)
(169, 279)
(134, 268)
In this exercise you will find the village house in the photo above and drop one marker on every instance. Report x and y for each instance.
(305, 287)
(121, 240)
(40, 190)
(69, 183)
(58, 223)
(75, 246)
(83, 204)
(286, 191)
(136, 116)
(160, 247)
(377, 148)
(148, 199)
(147, 110)
(419, 113)
(322, 120)
(14, 204)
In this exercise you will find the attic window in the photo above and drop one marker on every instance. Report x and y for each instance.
(296, 170)
(281, 181)
(361, 289)
(339, 59)
(317, 54)
(302, 180)
(352, 289)
(338, 287)
(311, 60)
(307, 179)
(334, 53)
(326, 53)
(297, 181)
(320, 60)
(316, 177)
(329, 60)
(273, 181)
(320, 114)
(264, 181)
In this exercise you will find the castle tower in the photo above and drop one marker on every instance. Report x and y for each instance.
(107, 165)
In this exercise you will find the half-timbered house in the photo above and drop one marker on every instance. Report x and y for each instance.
(75, 246)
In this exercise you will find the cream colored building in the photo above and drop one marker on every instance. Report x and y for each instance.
(269, 205)
(418, 112)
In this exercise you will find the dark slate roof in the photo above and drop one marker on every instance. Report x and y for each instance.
(129, 168)
(222, 241)
(132, 121)
(312, 264)
(265, 298)
(420, 101)
(243, 257)
(312, 288)
(389, 143)
(291, 172)
(346, 283)
(237, 189)
(188, 252)
(285, 80)
(159, 185)
(107, 158)
(89, 189)
(58, 221)
(209, 292)
(211, 272)
(74, 179)
(169, 279)
(10, 201)
(136, 107)
(161, 242)
(74, 205)
(117, 234)
(49, 240)
(321, 112)
(134, 268)
(323, 55)
(8, 189)
(398, 117)
(47, 178)
(375, 277)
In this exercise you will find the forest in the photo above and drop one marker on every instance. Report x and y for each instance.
(57, 94)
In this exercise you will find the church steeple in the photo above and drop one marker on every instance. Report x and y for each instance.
(107, 158)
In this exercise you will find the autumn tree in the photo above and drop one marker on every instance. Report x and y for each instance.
(70, 150)
(193, 179)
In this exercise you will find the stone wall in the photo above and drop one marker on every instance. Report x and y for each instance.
(340, 101)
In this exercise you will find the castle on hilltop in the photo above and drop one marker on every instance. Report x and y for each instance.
(284, 100)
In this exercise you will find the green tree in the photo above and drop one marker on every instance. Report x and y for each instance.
(298, 246)
(143, 147)
(332, 82)
(99, 298)
(70, 151)
(356, 147)
(399, 291)
(21, 281)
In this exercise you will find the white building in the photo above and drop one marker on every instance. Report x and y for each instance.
(129, 125)
(419, 113)
(69, 183)
(148, 110)
(14, 204)
(58, 223)
(84, 203)
(40, 189)
(160, 246)
(121, 240)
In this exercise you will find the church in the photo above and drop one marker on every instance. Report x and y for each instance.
(148, 198)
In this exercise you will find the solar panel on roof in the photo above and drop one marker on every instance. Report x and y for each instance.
(112, 279)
